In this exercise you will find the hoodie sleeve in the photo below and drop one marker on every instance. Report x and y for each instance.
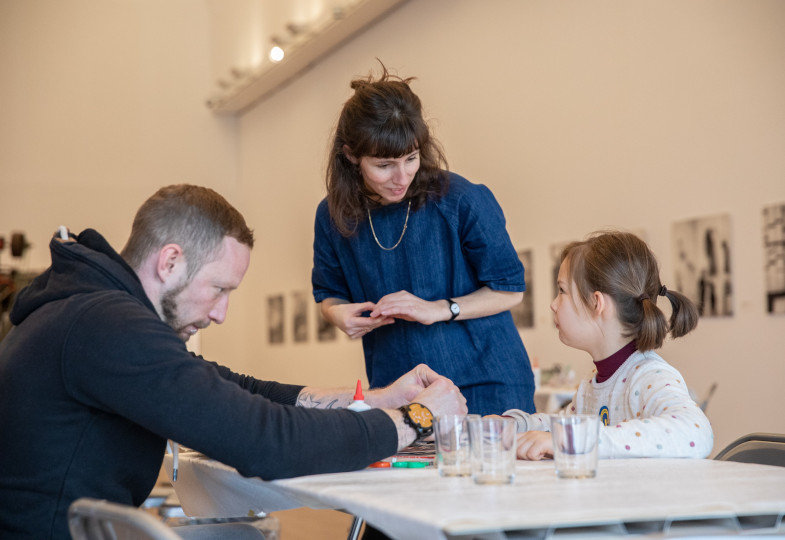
(285, 394)
(121, 359)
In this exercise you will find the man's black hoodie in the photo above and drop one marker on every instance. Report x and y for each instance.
(92, 383)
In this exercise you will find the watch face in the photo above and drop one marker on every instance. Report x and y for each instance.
(420, 415)
(455, 308)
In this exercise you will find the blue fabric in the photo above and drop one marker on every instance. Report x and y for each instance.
(452, 247)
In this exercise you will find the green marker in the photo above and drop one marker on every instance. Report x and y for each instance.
(420, 464)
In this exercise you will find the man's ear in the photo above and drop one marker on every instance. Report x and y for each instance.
(348, 153)
(170, 264)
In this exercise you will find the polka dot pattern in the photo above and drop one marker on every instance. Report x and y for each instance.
(649, 412)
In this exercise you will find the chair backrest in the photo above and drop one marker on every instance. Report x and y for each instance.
(762, 448)
(93, 519)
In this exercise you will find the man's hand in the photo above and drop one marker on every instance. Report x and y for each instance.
(442, 397)
(535, 445)
(404, 389)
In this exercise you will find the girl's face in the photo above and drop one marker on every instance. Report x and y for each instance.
(573, 319)
(390, 178)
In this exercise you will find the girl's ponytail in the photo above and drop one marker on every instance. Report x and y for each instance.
(685, 315)
(653, 327)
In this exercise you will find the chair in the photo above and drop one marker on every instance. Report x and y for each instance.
(762, 448)
(93, 519)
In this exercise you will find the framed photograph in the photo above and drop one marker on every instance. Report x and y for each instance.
(275, 319)
(702, 255)
(300, 316)
(325, 331)
(555, 254)
(523, 313)
(774, 257)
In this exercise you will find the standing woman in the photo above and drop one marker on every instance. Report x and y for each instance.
(416, 260)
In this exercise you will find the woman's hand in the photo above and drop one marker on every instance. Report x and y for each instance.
(535, 445)
(404, 305)
(348, 317)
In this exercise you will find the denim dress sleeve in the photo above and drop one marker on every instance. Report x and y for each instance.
(484, 239)
(327, 277)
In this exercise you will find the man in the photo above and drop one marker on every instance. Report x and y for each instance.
(95, 375)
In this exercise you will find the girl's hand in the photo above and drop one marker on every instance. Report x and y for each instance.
(535, 445)
(348, 317)
(404, 305)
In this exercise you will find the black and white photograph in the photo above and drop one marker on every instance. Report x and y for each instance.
(555, 253)
(702, 255)
(275, 319)
(774, 257)
(523, 313)
(300, 316)
(325, 330)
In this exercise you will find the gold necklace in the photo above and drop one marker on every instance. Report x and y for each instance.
(405, 223)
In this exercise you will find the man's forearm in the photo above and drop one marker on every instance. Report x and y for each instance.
(338, 398)
(324, 398)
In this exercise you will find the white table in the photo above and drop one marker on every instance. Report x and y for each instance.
(640, 496)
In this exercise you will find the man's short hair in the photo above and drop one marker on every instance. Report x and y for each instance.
(194, 217)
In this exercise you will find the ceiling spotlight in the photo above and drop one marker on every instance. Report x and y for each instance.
(276, 53)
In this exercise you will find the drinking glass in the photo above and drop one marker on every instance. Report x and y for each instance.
(575, 444)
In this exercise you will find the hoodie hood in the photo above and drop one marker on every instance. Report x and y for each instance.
(86, 265)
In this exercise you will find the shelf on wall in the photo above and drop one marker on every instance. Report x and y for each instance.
(301, 55)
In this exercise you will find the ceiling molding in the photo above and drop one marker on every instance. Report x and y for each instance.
(258, 84)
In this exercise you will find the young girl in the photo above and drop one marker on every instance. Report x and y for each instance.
(607, 306)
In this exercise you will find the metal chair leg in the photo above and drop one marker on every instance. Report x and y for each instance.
(354, 531)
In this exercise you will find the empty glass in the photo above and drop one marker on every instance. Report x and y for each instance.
(575, 444)
(493, 444)
(453, 449)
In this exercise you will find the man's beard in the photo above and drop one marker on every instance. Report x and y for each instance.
(169, 306)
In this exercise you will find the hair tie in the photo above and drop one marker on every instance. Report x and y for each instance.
(663, 291)
(643, 297)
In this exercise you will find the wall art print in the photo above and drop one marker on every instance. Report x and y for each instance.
(702, 255)
(325, 330)
(523, 313)
(275, 319)
(774, 257)
(300, 300)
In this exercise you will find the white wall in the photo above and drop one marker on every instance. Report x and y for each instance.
(103, 103)
(579, 116)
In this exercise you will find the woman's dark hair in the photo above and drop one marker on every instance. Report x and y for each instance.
(382, 119)
(622, 266)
